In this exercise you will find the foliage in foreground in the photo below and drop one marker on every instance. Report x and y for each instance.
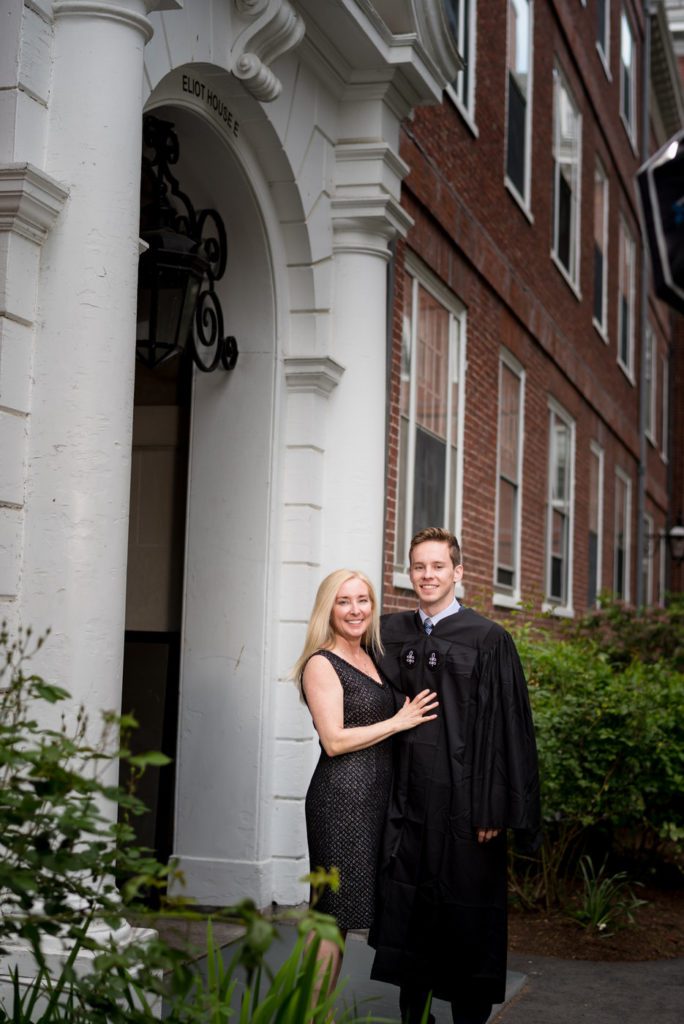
(69, 865)
(610, 734)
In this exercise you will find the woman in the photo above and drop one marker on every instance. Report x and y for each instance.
(354, 714)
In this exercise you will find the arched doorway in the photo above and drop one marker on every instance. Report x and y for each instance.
(197, 600)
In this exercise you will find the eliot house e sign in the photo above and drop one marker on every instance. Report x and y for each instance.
(201, 91)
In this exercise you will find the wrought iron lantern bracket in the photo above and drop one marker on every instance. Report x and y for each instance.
(178, 306)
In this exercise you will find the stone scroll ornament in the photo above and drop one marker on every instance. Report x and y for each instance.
(270, 28)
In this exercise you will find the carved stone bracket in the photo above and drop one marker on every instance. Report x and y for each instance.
(270, 28)
(30, 201)
(317, 374)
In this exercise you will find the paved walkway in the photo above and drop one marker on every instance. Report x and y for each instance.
(540, 990)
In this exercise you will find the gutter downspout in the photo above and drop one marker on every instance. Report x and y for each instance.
(642, 540)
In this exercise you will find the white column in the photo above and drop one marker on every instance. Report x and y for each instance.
(80, 423)
(366, 216)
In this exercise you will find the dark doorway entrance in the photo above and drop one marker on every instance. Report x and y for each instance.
(154, 598)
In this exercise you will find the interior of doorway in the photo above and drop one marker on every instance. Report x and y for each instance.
(154, 597)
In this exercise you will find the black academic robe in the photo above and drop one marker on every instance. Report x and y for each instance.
(441, 918)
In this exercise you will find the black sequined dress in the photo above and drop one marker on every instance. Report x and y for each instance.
(347, 800)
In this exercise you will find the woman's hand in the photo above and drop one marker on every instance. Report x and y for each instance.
(415, 712)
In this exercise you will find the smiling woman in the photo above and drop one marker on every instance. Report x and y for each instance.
(353, 711)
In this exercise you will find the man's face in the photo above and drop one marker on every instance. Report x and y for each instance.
(433, 575)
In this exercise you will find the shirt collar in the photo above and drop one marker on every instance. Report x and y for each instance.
(449, 610)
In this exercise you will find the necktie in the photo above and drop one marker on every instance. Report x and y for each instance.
(428, 626)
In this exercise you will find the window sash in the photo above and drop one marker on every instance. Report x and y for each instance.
(519, 86)
(600, 246)
(627, 75)
(567, 160)
(626, 299)
(428, 491)
(560, 509)
(622, 539)
(595, 540)
(509, 456)
(462, 17)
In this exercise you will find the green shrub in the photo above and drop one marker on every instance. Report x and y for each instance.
(610, 737)
(624, 634)
(67, 863)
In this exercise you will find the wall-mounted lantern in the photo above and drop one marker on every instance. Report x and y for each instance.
(178, 307)
(675, 541)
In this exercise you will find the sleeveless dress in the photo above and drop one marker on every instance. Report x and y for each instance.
(347, 800)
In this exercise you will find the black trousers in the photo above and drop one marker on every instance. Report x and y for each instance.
(412, 1006)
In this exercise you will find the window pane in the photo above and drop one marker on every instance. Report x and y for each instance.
(561, 456)
(601, 37)
(515, 151)
(598, 285)
(509, 419)
(429, 478)
(433, 365)
(593, 569)
(507, 531)
(567, 127)
(558, 555)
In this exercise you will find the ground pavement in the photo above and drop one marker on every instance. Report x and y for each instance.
(540, 990)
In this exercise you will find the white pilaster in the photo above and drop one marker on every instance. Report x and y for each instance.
(80, 423)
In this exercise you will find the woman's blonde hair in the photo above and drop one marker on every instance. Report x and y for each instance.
(320, 633)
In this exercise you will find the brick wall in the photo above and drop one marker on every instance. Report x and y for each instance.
(495, 257)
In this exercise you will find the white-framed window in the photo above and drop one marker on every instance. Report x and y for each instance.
(595, 546)
(622, 545)
(519, 99)
(628, 77)
(462, 15)
(603, 32)
(662, 568)
(601, 250)
(647, 560)
(431, 409)
(626, 299)
(560, 511)
(567, 157)
(665, 408)
(650, 382)
(509, 480)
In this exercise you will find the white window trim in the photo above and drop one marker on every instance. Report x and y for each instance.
(563, 610)
(662, 567)
(627, 368)
(665, 410)
(628, 537)
(512, 599)
(598, 451)
(649, 555)
(525, 202)
(604, 56)
(603, 328)
(650, 427)
(572, 279)
(422, 275)
(630, 129)
(467, 108)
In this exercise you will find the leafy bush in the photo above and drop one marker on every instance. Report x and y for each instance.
(68, 865)
(611, 749)
(624, 635)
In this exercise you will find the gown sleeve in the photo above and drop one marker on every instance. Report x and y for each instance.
(505, 781)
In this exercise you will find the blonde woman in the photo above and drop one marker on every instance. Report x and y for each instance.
(354, 714)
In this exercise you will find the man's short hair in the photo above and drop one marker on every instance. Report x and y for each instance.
(437, 533)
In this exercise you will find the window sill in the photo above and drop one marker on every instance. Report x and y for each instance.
(600, 331)
(562, 611)
(631, 135)
(512, 190)
(507, 601)
(463, 111)
(604, 62)
(566, 276)
(629, 374)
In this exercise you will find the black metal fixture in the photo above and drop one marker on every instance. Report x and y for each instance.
(675, 540)
(178, 307)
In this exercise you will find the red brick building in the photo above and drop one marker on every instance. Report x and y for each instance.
(524, 357)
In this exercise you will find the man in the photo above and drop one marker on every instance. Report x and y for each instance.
(459, 783)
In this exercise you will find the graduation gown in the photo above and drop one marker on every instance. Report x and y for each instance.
(440, 924)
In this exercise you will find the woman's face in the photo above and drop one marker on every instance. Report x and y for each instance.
(352, 611)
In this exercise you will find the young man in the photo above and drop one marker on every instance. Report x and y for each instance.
(459, 783)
